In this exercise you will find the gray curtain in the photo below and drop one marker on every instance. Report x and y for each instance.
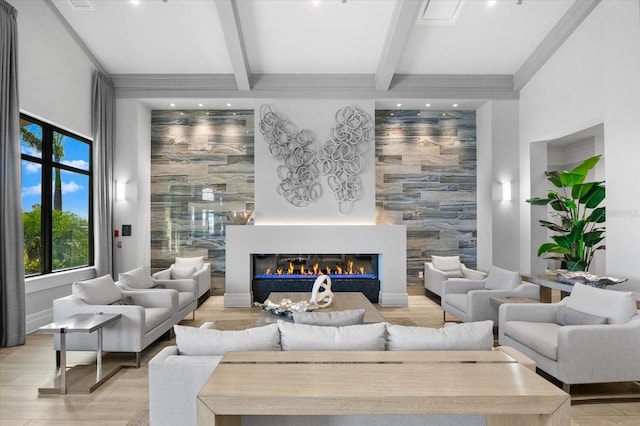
(103, 126)
(12, 308)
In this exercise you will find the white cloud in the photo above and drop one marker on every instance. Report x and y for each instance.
(78, 164)
(32, 167)
(32, 190)
(69, 187)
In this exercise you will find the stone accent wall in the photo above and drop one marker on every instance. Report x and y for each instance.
(201, 167)
(426, 180)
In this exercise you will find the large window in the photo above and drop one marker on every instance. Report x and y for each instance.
(56, 198)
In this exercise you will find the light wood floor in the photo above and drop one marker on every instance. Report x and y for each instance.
(123, 399)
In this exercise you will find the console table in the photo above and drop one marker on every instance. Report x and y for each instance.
(376, 383)
(80, 379)
(546, 283)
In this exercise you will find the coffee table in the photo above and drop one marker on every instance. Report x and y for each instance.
(81, 378)
(375, 383)
(342, 301)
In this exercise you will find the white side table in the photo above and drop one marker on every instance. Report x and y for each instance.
(76, 380)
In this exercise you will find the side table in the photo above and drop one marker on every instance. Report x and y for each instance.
(78, 379)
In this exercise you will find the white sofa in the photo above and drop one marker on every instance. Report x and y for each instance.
(189, 267)
(177, 373)
(591, 336)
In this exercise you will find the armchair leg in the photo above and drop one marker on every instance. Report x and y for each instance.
(566, 387)
(138, 355)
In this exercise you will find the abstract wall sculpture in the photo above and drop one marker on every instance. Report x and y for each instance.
(298, 176)
(340, 158)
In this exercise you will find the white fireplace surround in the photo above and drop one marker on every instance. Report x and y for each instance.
(388, 241)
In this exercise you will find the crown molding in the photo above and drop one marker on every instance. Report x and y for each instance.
(359, 86)
(569, 22)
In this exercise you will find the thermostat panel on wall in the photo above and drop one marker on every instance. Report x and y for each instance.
(126, 230)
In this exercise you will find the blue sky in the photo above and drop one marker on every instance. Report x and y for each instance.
(75, 186)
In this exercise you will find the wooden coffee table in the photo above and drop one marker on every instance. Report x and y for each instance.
(342, 301)
(376, 383)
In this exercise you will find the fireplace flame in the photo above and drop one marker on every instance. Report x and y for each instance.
(291, 269)
(361, 268)
(316, 269)
(350, 267)
(279, 271)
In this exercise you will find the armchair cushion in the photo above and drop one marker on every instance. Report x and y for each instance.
(468, 336)
(182, 272)
(539, 336)
(199, 341)
(197, 262)
(618, 306)
(569, 316)
(138, 278)
(335, 318)
(449, 265)
(97, 291)
(501, 279)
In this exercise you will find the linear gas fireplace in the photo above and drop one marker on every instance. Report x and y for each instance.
(297, 273)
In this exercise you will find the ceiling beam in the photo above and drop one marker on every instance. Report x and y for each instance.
(232, 29)
(402, 21)
(571, 20)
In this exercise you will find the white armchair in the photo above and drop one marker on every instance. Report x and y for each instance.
(470, 300)
(145, 316)
(441, 268)
(590, 336)
(140, 279)
(189, 267)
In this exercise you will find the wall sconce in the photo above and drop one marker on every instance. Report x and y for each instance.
(506, 191)
(121, 191)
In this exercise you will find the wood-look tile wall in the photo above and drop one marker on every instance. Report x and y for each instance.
(201, 167)
(426, 180)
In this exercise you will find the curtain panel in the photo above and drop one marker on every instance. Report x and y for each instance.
(103, 127)
(12, 294)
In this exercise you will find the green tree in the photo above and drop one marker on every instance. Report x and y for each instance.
(32, 240)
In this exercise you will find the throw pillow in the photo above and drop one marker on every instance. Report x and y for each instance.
(335, 318)
(97, 291)
(456, 337)
(446, 263)
(303, 337)
(198, 262)
(182, 272)
(618, 306)
(204, 341)
(569, 316)
(138, 278)
(502, 279)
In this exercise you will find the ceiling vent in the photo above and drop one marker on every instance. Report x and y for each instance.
(440, 12)
(80, 4)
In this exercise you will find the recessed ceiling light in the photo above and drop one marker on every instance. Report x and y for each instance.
(315, 2)
(135, 2)
(228, 105)
(418, 113)
(428, 105)
(455, 105)
(398, 105)
(200, 105)
(491, 3)
(172, 104)
(391, 113)
(444, 114)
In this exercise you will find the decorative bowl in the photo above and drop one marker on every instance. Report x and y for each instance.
(239, 217)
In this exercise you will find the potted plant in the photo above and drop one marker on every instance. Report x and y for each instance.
(576, 204)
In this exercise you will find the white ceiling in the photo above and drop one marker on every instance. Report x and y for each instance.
(305, 37)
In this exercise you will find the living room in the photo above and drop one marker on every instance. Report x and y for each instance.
(583, 77)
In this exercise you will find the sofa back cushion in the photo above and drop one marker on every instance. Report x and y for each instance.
(97, 291)
(617, 306)
(138, 278)
(569, 316)
(202, 341)
(303, 337)
(198, 262)
(502, 279)
(455, 337)
(334, 318)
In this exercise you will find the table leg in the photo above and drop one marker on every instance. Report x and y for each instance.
(99, 357)
(545, 294)
(63, 361)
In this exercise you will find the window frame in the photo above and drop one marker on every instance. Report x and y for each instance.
(46, 218)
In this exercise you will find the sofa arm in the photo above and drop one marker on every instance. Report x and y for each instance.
(461, 285)
(184, 285)
(165, 274)
(174, 383)
(599, 353)
(154, 298)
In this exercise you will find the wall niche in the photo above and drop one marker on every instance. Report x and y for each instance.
(202, 166)
(426, 180)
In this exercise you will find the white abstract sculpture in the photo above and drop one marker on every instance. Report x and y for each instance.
(325, 298)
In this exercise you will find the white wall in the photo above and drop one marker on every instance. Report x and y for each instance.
(592, 79)
(55, 85)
